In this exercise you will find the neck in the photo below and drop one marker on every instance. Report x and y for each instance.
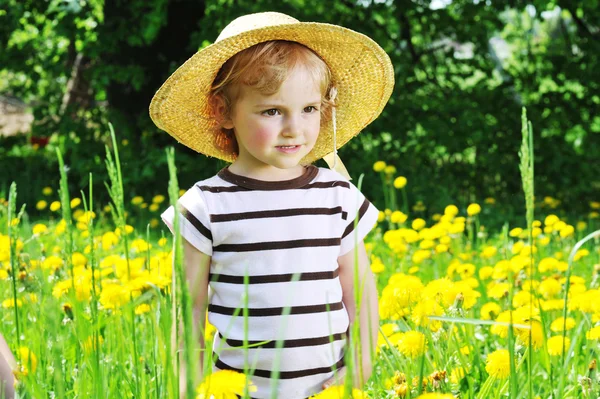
(267, 172)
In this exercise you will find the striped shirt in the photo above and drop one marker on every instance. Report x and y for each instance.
(286, 236)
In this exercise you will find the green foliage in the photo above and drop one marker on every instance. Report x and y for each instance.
(452, 126)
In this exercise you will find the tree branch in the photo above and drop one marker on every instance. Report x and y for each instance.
(406, 34)
(581, 25)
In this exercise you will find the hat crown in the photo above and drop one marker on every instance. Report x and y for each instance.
(255, 21)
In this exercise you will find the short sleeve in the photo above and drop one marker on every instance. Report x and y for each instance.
(194, 220)
(362, 211)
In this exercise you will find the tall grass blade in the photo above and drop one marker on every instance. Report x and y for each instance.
(181, 293)
(117, 195)
(527, 177)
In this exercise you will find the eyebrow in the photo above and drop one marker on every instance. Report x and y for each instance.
(274, 105)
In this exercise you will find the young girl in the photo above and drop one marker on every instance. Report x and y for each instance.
(272, 95)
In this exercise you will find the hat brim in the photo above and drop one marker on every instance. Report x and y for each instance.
(362, 73)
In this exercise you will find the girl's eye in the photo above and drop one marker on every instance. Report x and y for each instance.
(271, 112)
(310, 108)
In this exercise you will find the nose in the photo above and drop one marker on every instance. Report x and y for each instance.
(292, 125)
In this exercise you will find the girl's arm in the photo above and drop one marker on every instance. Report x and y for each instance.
(7, 365)
(369, 309)
(197, 267)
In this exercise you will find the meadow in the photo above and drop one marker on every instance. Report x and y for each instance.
(86, 299)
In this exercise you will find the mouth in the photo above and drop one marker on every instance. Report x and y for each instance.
(288, 148)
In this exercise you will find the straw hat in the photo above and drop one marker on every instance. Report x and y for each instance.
(361, 70)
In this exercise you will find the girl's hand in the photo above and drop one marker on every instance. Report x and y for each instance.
(337, 379)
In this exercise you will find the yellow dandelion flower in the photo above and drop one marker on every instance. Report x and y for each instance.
(486, 272)
(400, 182)
(137, 200)
(47, 191)
(436, 395)
(158, 199)
(377, 265)
(497, 364)
(379, 166)
(10, 303)
(224, 384)
(390, 170)
(79, 259)
(55, 206)
(593, 334)
(581, 254)
(553, 304)
(490, 311)
(128, 230)
(339, 392)
(473, 209)
(489, 251)
(499, 290)
(536, 331)
(109, 239)
(41, 205)
(441, 248)
(465, 270)
(143, 308)
(424, 309)
(451, 210)
(418, 224)
(27, 361)
(398, 217)
(412, 344)
(113, 296)
(555, 345)
(549, 288)
(421, 255)
(40, 229)
(558, 324)
(567, 231)
(75, 202)
(551, 220)
(516, 232)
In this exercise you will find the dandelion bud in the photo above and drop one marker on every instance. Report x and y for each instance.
(68, 309)
(592, 365)
(459, 300)
(400, 390)
(398, 378)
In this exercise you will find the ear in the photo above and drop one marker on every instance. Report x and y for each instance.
(227, 123)
(221, 113)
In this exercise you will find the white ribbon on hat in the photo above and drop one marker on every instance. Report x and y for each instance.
(333, 160)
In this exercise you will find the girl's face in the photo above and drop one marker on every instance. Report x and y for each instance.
(274, 132)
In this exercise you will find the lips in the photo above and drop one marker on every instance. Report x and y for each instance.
(288, 148)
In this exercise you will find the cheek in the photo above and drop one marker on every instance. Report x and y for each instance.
(261, 136)
(315, 128)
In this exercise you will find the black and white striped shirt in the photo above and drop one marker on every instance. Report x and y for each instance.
(286, 236)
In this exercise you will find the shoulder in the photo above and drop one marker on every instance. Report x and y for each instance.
(328, 175)
(213, 184)
(195, 193)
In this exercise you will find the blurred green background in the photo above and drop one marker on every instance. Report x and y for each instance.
(463, 71)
